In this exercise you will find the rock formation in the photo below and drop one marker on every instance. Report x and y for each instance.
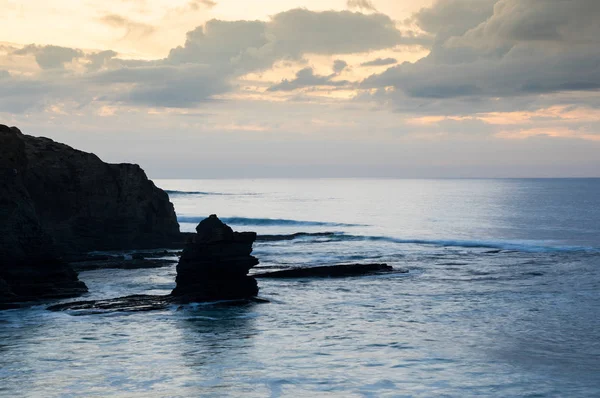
(30, 267)
(55, 200)
(331, 271)
(84, 203)
(214, 264)
(213, 267)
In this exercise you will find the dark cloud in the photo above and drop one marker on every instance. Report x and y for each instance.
(4, 74)
(251, 45)
(50, 57)
(176, 87)
(223, 43)
(361, 4)
(19, 94)
(380, 62)
(301, 31)
(307, 78)
(233, 48)
(447, 18)
(559, 21)
(339, 65)
(99, 59)
(524, 48)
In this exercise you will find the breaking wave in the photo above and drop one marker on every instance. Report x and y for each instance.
(243, 221)
(498, 246)
(198, 193)
(297, 235)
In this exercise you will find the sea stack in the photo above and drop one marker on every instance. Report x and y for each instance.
(214, 264)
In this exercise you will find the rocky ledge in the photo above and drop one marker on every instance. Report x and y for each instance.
(213, 266)
(330, 271)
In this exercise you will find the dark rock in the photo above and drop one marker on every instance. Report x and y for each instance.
(30, 267)
(215, 263)
(84, 257)
(128, 303)
(84, 203)
(276, 238)
(6, 293)
(120, 263)
(330, 271)
(137, 303)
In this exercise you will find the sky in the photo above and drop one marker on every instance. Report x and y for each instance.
(310, 88)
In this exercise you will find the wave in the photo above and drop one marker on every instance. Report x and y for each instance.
(297, 235)
(483, 244)
(496, 246)
(181, 193)
(267, 222)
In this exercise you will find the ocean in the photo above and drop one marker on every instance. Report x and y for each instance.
(502, 298)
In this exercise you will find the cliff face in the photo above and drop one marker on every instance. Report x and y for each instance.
(84, 203)
(29, 264)
(56, 200)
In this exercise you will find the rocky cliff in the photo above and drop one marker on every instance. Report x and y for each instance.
(56, 200)
(84, 203)
(30, 267)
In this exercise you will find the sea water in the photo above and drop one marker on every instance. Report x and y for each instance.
(501, 299)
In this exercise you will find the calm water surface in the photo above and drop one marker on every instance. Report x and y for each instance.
(502, 299)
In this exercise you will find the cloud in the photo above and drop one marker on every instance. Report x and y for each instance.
(251, 45)
(133, 29)
(380, 62)
(50, 57)
(216, 54)
(222, 43)
(339, 65)
(4, 74)
(447, 18)
(306, 78)
(197, 4)
(19, 94)
(331, 32)
(99, 59)
(176, 87)
(555, 22)
(361, 4)
(524, 48)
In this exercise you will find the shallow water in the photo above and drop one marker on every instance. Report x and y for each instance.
(502, 299)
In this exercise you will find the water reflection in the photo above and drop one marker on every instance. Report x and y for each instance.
(217, 346)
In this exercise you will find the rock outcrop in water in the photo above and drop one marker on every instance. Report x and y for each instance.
(85, 204)
(330, 271)
(214, 264)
